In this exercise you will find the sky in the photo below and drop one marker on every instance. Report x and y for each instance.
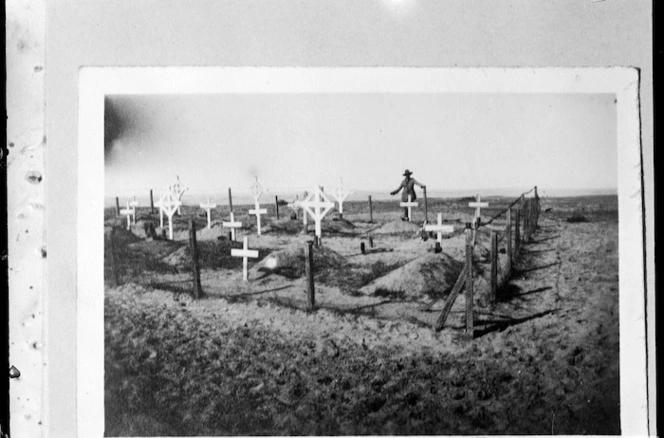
(292, 142)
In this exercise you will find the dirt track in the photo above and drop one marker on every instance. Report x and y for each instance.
(544, 360)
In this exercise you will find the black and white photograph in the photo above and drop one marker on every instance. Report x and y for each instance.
(362, 262)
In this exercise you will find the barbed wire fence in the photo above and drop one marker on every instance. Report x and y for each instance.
(521, 216)
(522, 220)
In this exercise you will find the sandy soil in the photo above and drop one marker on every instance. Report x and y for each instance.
(544, 358)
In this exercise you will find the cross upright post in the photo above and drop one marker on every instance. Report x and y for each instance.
(127, 212)
(178, 190)
(232, 225)
(478, 205)
(245, 253)
(317, 205)
(133, 204)
(340, 194)
(439, 228)
(257, 211)
(207, 207)
(410, 204)
(169, 204)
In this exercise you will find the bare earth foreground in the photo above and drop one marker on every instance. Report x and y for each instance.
(248, 358)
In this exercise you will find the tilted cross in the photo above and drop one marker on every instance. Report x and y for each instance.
(410, 204)
(169, 204)
(127, 212)
(232, 225)
(245, 253)
(207, 207)
(317, 205)
(478, 205)
(258, 211)
(439, 228)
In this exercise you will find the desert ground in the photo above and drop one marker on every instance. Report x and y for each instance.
(250, 358)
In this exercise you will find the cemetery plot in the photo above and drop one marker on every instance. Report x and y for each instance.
(369, 352)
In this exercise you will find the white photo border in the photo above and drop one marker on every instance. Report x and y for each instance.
(97, 82)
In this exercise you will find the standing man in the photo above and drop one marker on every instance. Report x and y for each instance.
(408, 186)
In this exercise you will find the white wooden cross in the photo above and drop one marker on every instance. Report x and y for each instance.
(169, 204)
(295, 205)
(478, 204)
(257, 191)
(207, 207)
(317, 205)
(133, 204)
(232, 225)
(439, 228)
(410, 204)
(245, 253)
(178, 190)
(340, 194)
(258, 211)
(127, 212)
(161, 211)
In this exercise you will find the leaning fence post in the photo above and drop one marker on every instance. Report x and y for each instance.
(151, 203)
(509, 240)
(494, 266)
(469, 285)
(276, 203)
(370, 210)
(198, 292)
(309, 268)
(230, 199)
(117, 206)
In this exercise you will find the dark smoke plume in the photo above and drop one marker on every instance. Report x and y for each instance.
(118, 123)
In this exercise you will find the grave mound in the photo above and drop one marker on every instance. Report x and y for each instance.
(290, 261)
(429, 276)
(338, 225)
(398, 227)
(121, 235)
(287, 226)
(179, 259)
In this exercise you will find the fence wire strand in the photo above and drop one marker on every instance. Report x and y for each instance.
(518, 199)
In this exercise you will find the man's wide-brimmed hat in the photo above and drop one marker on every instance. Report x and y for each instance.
(407, 172)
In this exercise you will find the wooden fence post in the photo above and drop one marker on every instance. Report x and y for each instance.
(461, 280)
(370, 210)
(198, 292)
(517, 232)
(531, 219)
(276, 203)
(509, 241)
(494, 266)
(230, 199)
(309, 270)
(115, 277)
(526, 208)
(469, 285)
(151, 203)
(117, 206)
(426, 207)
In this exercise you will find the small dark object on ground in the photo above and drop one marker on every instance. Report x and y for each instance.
(576, 219)
(548, 210)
